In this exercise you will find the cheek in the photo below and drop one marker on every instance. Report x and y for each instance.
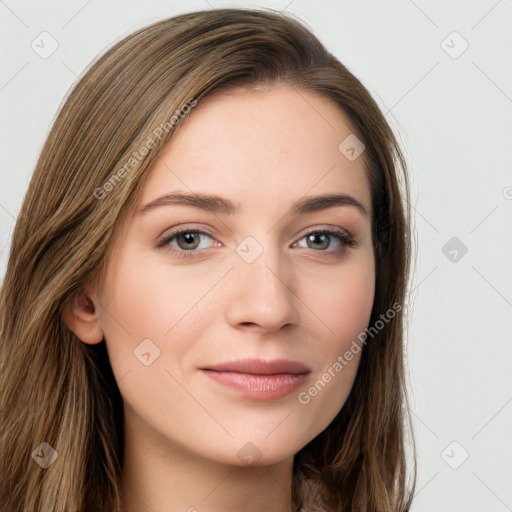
(152, 319)
(344, 308)
(352, 304)
(343, 302)
(157, 303)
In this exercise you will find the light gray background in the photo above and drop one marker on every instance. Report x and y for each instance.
(453, 115)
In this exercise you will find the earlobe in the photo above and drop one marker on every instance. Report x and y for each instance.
(81, 317)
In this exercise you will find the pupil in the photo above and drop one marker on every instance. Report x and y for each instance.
(188, 238)
(314, 236)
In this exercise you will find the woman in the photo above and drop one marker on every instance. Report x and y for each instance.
(173, 337)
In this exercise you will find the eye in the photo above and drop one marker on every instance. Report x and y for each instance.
(187, 240)
(321, 239)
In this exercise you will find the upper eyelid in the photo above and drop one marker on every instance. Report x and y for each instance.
(193, 229)
(180, 228)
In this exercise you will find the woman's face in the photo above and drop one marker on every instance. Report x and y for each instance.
(225, 343)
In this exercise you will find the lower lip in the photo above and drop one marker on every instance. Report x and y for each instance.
(259, 387)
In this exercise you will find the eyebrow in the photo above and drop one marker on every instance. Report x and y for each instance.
(218, 204)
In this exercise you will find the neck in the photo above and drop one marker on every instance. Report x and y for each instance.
(159, 476)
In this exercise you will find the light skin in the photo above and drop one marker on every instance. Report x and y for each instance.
(304, 298)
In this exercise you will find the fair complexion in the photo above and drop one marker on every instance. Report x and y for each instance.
(206, 440)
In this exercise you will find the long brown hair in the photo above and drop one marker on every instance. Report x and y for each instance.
(57, 390)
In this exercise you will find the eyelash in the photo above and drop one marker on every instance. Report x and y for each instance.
(345, 239)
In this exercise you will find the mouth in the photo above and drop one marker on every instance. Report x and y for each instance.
(259, 379)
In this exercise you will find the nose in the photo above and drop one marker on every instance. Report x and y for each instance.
(262, 294)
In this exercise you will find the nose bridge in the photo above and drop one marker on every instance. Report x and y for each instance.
(263, 285)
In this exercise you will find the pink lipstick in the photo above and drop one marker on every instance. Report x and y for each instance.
(259, 379)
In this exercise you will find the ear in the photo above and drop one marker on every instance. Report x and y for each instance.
(81, 316)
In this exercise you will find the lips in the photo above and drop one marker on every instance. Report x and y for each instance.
(259, 379)
(261, 367)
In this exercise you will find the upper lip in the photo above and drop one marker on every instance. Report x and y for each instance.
(261, 367)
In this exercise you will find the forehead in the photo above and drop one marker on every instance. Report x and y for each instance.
(260, 148)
